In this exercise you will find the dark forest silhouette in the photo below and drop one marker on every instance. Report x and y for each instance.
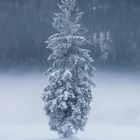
(114, 30)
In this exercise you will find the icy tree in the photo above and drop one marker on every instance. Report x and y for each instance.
(68, 94)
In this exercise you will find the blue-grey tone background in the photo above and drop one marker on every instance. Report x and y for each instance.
(26, 24)
(114, 30)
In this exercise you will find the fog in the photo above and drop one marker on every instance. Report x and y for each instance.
(113, 33)
(115, 113)
(26, 24)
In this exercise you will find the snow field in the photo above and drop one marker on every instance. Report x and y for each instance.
(115, 113)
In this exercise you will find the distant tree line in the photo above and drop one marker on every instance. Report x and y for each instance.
(114, 30)
(121, 19)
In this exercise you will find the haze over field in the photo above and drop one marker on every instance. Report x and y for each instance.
(115, 111)
(86, 34)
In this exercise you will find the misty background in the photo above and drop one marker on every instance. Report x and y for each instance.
(113, 28)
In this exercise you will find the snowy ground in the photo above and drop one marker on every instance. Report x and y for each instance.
(115, 111)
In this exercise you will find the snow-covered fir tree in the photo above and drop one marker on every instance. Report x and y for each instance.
(68, 95)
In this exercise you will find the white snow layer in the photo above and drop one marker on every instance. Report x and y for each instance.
(115, 111)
